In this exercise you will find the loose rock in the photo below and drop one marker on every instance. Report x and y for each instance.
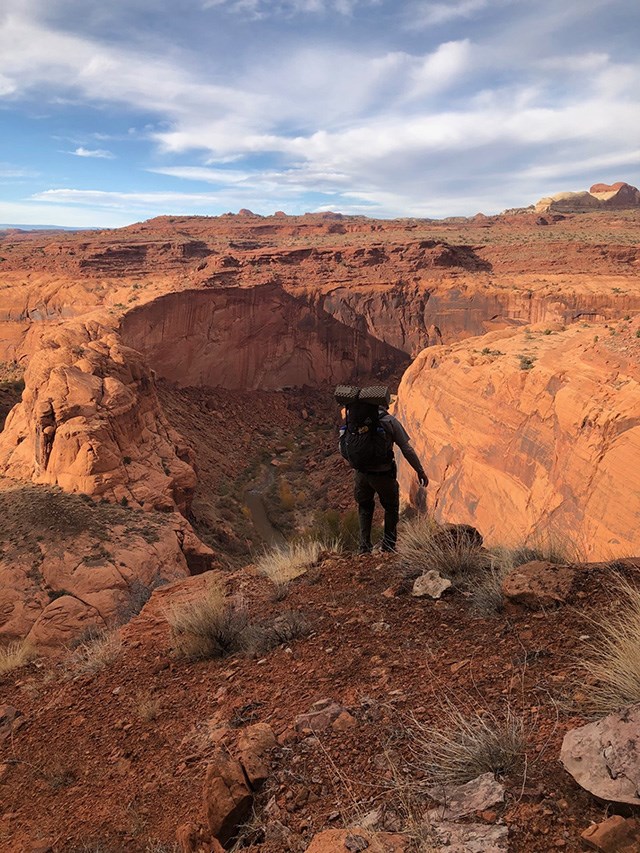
(539, 584)
(615, 835)
(430, 583)
(604, 757)
(462, 800)
(227, 797)
(472, 837)
(355, 840)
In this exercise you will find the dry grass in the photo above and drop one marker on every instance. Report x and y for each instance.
(464, 747)
(207, 627)
(424, 547)
(613, 658)
(96, 653)
(284, 563)
(213, 627)
(147, 707)
(15, 655)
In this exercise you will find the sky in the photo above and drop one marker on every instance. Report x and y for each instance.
(114, 112)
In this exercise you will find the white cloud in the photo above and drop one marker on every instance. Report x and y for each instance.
(98, 153)
(429, 14)
(258, 9)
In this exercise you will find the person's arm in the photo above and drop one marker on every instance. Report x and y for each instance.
(401, 438)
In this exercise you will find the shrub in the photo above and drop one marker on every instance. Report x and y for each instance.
(526, 362)
(208, 627)
(464, 747)
(15, 655)
(213, 627)
(613, 658)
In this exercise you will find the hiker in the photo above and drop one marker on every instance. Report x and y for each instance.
(366, 441)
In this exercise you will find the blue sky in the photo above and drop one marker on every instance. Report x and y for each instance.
(116, 111)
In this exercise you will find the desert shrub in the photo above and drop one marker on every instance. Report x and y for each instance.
(95, 653)
(613, 658)
(486, 593)
(147, 707)
(463, 747)
(208, 627)
(15, 655)
(526, 362)
(213, 627)
(549, 546)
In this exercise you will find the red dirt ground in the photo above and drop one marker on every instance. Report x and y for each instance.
(84, 769)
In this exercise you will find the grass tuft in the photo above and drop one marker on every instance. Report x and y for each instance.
(424, 546)
(208, 627)
(613, 658)
(464, 747)
(96, 653)
(213, 627)
(285, 563)
(15, 655)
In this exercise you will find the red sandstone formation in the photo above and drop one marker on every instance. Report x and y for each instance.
(90, 422)
(618, 196)
(532, 433)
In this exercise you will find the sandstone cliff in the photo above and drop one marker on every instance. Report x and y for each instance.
(89, 421)
(618, 196)
(534, 431)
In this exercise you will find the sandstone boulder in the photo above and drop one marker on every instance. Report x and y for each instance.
(604, 757)
(356, 840)
(539, 584)
(227, 796)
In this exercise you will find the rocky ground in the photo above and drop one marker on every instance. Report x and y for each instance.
(116, 759)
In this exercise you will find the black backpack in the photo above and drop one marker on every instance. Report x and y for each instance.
(363, 440)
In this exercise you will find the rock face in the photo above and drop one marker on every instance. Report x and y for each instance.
(604, 757)
(73, 565)
(90, 422)
(531, 431)
(618, 196)
(249, 338)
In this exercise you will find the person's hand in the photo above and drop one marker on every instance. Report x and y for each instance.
(423, 479)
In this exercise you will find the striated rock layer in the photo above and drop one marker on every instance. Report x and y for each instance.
(533, 432)
(89, 421)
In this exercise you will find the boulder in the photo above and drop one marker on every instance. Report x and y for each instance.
(431, 583)
(356, 840)
(472, 837)
(255, 745)
(604, 757)
(614, 835)
(461, 800)
(227, 796)
(539, 584)
(458, 535)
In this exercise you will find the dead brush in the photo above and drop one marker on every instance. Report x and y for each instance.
(612, 660)
(463, 747)
(285, 563)
(94, 654)
(208, 627)
(147, 707)
(15, 655)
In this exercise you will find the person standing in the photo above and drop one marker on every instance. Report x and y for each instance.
(367, 439)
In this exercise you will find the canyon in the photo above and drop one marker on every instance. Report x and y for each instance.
(96, 320)
(167, 412)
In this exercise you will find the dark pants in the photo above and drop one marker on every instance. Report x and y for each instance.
(367, 486)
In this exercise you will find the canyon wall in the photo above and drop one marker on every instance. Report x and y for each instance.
(532, 433)
(249, 338)
(89, 421)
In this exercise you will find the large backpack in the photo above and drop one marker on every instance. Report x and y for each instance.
(363, 440)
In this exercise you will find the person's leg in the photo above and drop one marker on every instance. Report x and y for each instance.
(389, 494)
(364, 495)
